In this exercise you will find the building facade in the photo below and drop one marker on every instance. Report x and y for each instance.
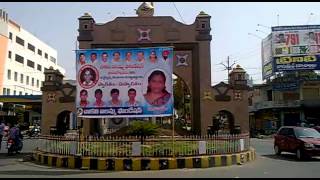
(272, 108)
(23, 59)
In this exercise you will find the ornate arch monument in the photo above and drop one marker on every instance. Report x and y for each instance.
(191, 57)
(191, 62)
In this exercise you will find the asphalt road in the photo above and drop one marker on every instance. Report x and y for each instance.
(266, 165)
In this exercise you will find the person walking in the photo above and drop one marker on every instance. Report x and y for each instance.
(2, 126)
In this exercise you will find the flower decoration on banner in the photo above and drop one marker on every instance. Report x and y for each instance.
(80, 111)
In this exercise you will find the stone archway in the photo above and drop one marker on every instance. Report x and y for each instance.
(191, 58)
(63, 122)
(224, 122)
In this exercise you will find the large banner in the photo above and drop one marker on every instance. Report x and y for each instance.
(266, 56)
(294, 63)
(267, 70)
(295, 48)
(295, 40)
(135, 82)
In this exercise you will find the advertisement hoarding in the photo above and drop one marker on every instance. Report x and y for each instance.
(266, 56)
(295, 40)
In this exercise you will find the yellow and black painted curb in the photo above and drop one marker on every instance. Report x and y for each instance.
(143, 163)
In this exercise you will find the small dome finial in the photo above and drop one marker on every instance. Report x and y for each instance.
(202, 14)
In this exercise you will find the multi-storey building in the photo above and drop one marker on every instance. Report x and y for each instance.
(271, 108)
(23, 59)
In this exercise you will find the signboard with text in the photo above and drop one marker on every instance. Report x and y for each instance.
(126, 82)
(295, 63)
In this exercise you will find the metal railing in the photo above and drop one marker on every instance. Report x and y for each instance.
(150, 147)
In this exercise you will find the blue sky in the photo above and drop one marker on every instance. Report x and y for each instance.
(56, 23)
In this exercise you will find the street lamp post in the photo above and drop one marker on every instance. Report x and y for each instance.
(268, 27)
(261, 31)
(251, 34)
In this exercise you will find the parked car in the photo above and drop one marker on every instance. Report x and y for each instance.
(303, 141)
(317, 128)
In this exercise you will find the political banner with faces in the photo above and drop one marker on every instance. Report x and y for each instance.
(296, 40)
(124, 82)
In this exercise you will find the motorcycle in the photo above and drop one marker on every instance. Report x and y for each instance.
(33, 132)
(12, 146)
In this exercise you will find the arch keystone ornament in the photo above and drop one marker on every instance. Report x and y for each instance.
(182, 60)
(51, 97)
(144, 34)
(222, 90)
(237, 95)
(207, 95)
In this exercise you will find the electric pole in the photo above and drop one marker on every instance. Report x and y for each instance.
(228, 67)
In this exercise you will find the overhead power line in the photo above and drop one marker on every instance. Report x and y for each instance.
(178, 12)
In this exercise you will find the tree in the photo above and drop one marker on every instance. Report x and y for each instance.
(178, 92)
(142, 129)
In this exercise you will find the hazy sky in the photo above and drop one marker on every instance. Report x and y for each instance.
(56, 23)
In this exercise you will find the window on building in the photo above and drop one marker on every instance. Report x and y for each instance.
(19, 41)
(4, 91)
(37, 83)
(46, 55)
(26, 93)
(290, 96)
(20, 92)
(39, 67)
(27, 80)
(269, 95)
(15, 76)
(310, 93)
(9, 54)
(10, 35)
(30, 63)
(32, 82)
(19, 59)
(8, 91)
(21, 78)
(9, 74)
(39, 52)
(14, 92)
(53, 59)
(31, 47)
